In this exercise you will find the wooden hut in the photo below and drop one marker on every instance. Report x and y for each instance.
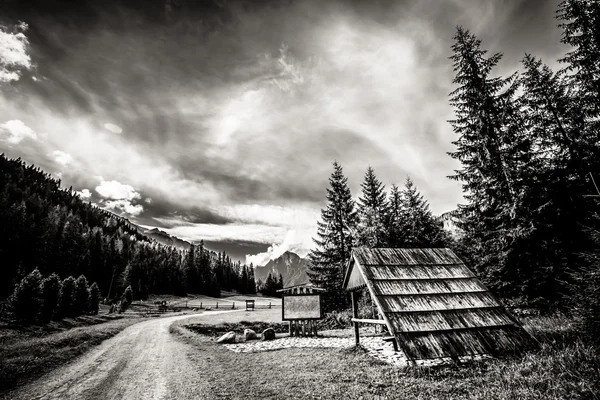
(432, 304)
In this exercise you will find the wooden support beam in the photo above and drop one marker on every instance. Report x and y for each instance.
(355, 315)
(369, 321)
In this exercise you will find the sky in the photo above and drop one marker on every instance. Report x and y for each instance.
(219, 120)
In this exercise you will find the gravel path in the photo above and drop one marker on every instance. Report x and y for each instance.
(375, 346)
(144, 361)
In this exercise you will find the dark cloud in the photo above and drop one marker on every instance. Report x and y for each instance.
(222, 103)
(237, 250)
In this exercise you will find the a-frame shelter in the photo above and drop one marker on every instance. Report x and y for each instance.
(432, 304)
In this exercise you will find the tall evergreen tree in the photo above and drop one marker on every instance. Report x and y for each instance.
(418, 225)
(334, 240)
(495, 154)
(395, 215)
(372, 212)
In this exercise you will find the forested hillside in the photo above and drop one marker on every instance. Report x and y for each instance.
(47, 227)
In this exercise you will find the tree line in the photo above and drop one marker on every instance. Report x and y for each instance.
(48, 228)
(39, 299)
(401, 218)
(529, 148)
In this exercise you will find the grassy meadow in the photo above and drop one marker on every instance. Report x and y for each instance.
(563, 368)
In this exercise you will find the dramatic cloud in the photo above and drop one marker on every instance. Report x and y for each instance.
(123, 206)
(113, 128)
(61, 157)
(85, 194)
(230, 126)
(14, 55)
(15, 131)
(292, 242)
(115, 190)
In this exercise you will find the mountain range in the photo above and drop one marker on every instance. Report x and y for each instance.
(290, 265)
(164, 238)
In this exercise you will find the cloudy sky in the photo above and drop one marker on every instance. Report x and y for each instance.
(219, 120)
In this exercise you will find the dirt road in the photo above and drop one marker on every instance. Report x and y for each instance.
(143, 362)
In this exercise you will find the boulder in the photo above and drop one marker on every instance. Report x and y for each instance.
(229, 337)
(249, 334)
(268, 334)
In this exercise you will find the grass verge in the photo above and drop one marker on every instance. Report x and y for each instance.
(563, 368)
(28, 352)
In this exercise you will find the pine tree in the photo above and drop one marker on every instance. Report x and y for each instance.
(81, 295)
(50, 294)
(372, 212)
(334, 240)
(66, 299)
(394, 220)
(418, 225)
(494, 151)
(581, 30)
(94, 299)
(26, 299)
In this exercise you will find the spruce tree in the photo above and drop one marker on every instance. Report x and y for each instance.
(94, 299)
(66, 299)
(81, 295)
(372, 212)
(334, 241)
(420, 228)
(494, 152)
(394, 220)
(580, 21)
(26, 299)
(50, 294)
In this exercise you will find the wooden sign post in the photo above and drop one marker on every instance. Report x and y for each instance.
(302, 307)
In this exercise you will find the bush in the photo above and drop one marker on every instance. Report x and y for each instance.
(66, 299)
(128, 295)
(93, 298)
(81, 304)
(50, 290)
(26, 299)
(126, 299)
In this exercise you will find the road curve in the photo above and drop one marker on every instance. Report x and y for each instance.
(143, 361)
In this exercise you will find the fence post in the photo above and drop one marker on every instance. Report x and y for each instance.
(269, 304)
(217, 304)
(233, 306)
(201, 305)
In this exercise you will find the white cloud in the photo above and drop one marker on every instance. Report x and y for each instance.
(62, 158)
(292, 242)
(113, 128)
(222, 233)
(85, 194)
(13, 54)
(123, 206)
(115, 190)
(15, 131)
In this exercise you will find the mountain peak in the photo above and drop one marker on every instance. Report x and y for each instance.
(290, 265)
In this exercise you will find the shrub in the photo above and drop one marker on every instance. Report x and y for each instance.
(50, 291)
(128, 295)
(66, 299)
(94, 298)
(126, 299)
(81, 296)
(26, 298)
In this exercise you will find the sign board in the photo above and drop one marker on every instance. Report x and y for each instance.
(301, 306)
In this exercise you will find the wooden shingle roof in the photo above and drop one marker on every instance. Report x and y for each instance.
(434, 305)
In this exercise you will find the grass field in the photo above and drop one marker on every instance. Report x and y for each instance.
(563, 368)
